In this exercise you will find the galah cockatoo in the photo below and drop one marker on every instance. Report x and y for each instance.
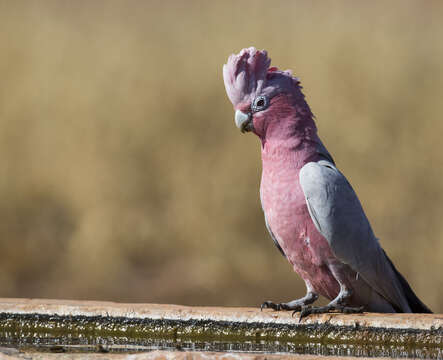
(311, 211)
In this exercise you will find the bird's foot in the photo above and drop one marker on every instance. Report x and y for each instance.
(330, 308)
(294, 305)
(279, 306)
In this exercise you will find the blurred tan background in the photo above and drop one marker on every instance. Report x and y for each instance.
(123, 177)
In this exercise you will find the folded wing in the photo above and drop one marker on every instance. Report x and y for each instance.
(339, 217)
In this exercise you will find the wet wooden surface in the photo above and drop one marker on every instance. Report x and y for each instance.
(179, 312)
(403, 323)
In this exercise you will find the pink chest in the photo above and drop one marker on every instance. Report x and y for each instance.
(288, 217)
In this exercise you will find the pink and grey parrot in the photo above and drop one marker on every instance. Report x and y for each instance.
(311, 211)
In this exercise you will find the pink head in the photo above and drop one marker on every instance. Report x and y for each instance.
(262, 95)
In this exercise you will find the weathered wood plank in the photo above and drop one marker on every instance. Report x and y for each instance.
(84, 325)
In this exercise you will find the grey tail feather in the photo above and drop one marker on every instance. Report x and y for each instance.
(413, 301)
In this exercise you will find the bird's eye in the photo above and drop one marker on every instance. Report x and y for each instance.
(260, 103)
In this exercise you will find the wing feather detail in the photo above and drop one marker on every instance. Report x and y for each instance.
(338, 215)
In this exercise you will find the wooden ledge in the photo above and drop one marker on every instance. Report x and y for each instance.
(73, 326)
(229, 314)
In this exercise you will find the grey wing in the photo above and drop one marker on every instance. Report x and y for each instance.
(339, 217)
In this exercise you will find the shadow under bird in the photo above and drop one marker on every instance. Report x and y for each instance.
(311, 211)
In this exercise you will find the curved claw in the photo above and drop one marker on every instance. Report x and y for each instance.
(300, 309)
(305, 311)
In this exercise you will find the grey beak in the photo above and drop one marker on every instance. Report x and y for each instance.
(243, 121)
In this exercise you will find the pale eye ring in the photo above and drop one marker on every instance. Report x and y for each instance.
(260, 103)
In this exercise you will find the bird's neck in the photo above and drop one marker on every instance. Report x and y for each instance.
(291, 140)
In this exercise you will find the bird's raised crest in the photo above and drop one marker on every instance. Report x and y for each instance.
(248, 74)
(245, 73)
